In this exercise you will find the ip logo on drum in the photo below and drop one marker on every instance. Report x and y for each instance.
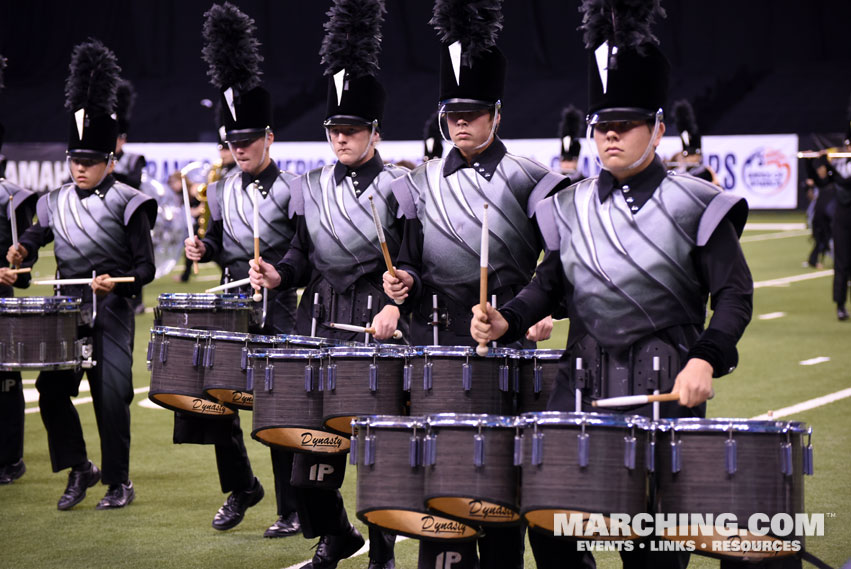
(318, 472)
(8, 385)
(447, 559)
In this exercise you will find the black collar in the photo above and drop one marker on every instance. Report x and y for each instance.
(363, 175)
(485, 163)
(100, 190)
(639, 187)
(264, 181)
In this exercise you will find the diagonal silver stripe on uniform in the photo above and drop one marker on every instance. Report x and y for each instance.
(633, 274)
(341, 228)
(233, 205)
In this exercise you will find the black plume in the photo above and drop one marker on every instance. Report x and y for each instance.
(684, 118)
(624, 23)
(125, 100)
(432, 128)
(2, 67)
(571, 123)
(475, 23)
(93, 79)
(230, 48)
(353, 37)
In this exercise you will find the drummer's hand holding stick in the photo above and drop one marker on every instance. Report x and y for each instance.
(194, 248)
(694, 383)
(385, 322)
(8, 276)
(16, 255)
(398, 286)
(263, 274)
(487, 325)
(103, 285)
(540, 331)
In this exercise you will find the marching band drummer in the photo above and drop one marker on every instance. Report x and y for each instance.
(336, 252)
(96, 224)
(17, 205)
(442, 201)
(634, 253)
(229, 241)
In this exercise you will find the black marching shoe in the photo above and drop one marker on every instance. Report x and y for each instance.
(391, 564)
(331, 549)
(78, 482)
(12, 472)
(841, 313)
(118, 496)
(285, 526)
(233, 510)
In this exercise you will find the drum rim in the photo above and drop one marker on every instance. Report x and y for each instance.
(247, 336)
(317, 341)
(390, 421)
(26, 304)
(463, 351)
(470, 420)
(726, 424)
(203, 300)
(173, 331)
(548, 354)
(571, 418)
(373, 350)
(286, 353)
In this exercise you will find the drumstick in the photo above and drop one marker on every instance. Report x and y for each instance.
(61, 282)
(482, 348)
(383, 242)
(257, 296)
(19, 271)
(189, 225)
(14, 223)
(635, 400)
(397, 334)
(232, 284)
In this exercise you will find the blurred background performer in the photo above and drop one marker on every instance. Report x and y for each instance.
(842, 225)
(336, 252)
(570, 131)
(440, 253)
(625, 298)
(16, 204)
(432, 139)
(821, 191)
(97, 224)
(690, 160)
(232, 53)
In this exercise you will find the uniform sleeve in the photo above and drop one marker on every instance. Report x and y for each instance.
(213, 240)
(294, 267)
(141, 253)
(24, 214)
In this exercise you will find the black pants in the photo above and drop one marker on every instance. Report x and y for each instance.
(11, 418)
(841, 253)
(111, 383)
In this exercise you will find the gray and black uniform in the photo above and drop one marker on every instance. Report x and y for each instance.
(635, 264)
(106, 229)
(11, 388)
(229, 242)
(128, 169)
(442, 201)
(336, 254)
(841, 230)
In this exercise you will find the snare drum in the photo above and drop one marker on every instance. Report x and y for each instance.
(364, 380)
(39, 333)
(469, 468)
(288, 400)
(388, 451)
(732, 466)
(176, 359)
(581, 464)
(225, 363)
(205, 311)
(454, 379)
(537, 371)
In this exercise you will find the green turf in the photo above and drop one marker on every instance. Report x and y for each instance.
(177, 488)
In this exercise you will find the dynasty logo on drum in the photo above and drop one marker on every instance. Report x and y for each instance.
(207, 407)
(309, 439)
(243, 398)
(442, 526)
(486, 510)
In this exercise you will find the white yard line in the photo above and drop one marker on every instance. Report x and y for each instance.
(774, 226)
(770, 236)
(81, 400)
(771, 315)
(793, 279)
(805, 405)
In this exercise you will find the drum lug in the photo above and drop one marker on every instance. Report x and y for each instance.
(407, 372)
(20, 351)
(321, 383)
(414, 451)
(808, 454)
(331, 372)
(427, 377)
(467, 376)
(629, 452)
(209, 355)
(650, 454)
(676, 456)
(249, 378)
(150, 352)
(243, 358)
(537, 448)
(42, 352)
(197, 352)
(583, 449)
(369, 450)
(786, 459)
(478, 450)
(515, 372)
(373, 377)
(63, 350)
(518, 450)
(430, 450)
(270, 377)
(538, 378)
(353, 449)
(503, 378)
(164, 351)
(308, 377)
(730, 454)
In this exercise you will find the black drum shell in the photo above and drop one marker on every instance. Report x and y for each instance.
(57, 331)
(528, 400)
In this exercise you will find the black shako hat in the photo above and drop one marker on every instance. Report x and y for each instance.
(627, 72)
(686, 124)
(90, 95)
(233, 57)
(569, 132)
(349, 52)
(472, 67)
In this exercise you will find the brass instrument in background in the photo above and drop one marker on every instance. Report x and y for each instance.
(214, 175)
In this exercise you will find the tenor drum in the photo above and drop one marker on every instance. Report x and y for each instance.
(39, 333)
(733, 466)
(176, 359)
(454, 379)
(225, 366)
(579, 464)
(537, 371)
(205, 311)
(388, 451)
(365, 380)
(288, 401)
(470, 473)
